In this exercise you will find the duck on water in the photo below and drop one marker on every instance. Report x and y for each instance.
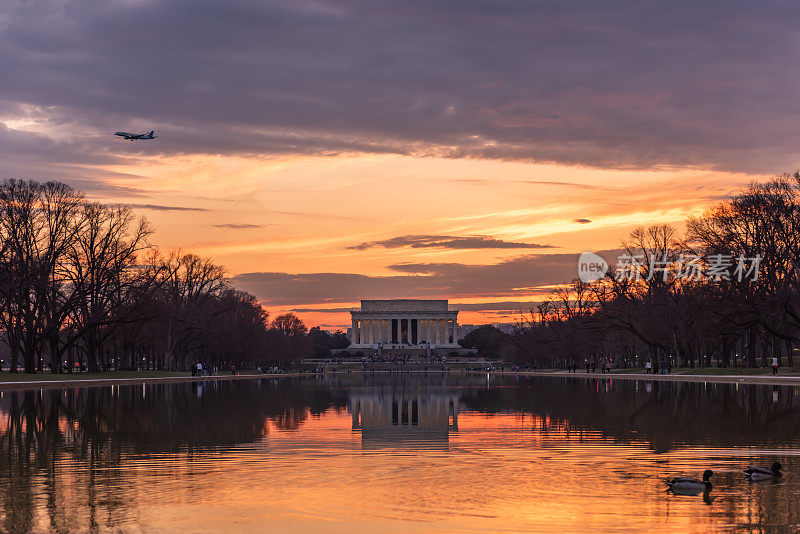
(755, 472)
(690, 486)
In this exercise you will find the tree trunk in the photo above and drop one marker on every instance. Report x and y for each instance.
(55, 357)
(14, 357)
(29, 356)
(725, 356)
(39, 359)
(91, 357)
(750, 348)
(71, 359)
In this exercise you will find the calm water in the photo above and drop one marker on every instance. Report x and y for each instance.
(396, 454)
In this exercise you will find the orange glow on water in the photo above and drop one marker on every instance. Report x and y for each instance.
(322, 472)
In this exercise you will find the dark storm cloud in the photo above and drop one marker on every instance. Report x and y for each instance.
(518, 277)
(618, 83)
(445, 241)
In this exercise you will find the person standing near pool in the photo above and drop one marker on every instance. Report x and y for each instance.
(774, 365)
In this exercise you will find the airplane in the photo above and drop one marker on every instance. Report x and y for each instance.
(136, 137)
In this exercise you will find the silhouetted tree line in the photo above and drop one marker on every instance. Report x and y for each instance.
(692, 300)
(488, 339)
(81, 286)
(323, 342)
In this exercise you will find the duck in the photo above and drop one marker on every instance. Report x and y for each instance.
(690, 486)
(755, 472)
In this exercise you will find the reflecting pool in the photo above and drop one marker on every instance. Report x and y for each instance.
(397, 453)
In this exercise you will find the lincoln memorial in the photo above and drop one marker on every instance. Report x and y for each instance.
(404, 324)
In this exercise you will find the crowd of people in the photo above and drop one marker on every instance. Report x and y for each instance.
(403, 361)
(663, 367)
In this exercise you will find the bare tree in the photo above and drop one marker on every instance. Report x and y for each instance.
(190, 285)
(105, 277)
(36, 228)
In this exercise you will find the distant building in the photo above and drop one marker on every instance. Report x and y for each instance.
(404, 324)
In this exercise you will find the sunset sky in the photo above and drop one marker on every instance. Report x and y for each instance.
(328, 151)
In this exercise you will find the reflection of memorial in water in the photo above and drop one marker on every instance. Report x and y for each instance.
(130, 458)
(421, 418)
